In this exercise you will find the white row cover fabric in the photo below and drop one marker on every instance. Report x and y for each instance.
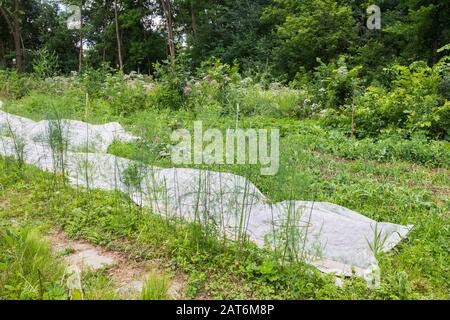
(328, 236)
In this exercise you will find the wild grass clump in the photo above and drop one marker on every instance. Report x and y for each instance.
(15, 85)
(56, 137)
(18, 144)
(155, 287)
(28, 268)
(276, 102)
(385, 148)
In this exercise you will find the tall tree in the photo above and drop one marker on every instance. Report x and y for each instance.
(10, 11)
(140, 37)
(227, 29)
(193, 18)
(169, 24)
(429, 27)
(81, 52)
(306, 30)
(118, 36)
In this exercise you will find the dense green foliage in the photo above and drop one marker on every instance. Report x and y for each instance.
(411, 102)
(363, 82)
(31, 271)
(364, 119)
(281, 36)
(315, 164)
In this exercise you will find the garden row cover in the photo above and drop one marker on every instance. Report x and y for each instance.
(330, 237)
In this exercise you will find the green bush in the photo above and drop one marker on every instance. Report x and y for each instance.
(165, 96)
(93, 80)
(215, 88)
(411, 104)
(339, 83)
(15, 85)
(124, 97)
(45, 63)
(173, 77)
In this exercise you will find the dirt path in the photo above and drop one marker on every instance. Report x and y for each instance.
(128, 275)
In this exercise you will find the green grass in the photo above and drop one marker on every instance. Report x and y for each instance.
(31, 271)
(417, 268)
(155, 287)
(109, 219)
(389, 179)
(156, 125)
(28, 269)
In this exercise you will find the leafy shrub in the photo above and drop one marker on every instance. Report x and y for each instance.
(165, 96)
(93, 80)
(124, 97)
(411, 104)
(45, 63)
(339, 83)
(15, 85)
(173, 77)
(215, 90)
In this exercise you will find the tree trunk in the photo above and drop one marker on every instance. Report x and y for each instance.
(14, 28)
(168, 16)
(193, 18)
(118, 37)
(435, 49)
(17, 36)
(2, 51)
(81, 54)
